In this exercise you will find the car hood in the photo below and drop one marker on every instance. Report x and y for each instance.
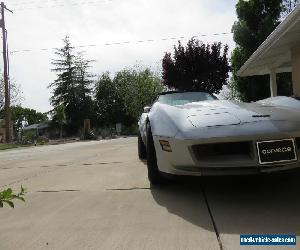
(224, 113)
(222, 118)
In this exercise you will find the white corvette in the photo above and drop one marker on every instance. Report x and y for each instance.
(193, 133)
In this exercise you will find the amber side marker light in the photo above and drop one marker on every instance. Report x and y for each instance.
(165, 145)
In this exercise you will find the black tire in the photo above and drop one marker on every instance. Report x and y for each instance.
(154, 175)
(141, 148)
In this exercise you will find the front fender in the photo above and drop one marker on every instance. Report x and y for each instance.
(162, 124)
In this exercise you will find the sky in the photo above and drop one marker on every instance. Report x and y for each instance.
(40, 25)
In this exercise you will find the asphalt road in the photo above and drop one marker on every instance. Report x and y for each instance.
(95, 195)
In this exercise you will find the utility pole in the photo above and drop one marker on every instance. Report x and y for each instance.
(5, 78)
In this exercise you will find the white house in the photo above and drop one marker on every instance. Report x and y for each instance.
(280, 52)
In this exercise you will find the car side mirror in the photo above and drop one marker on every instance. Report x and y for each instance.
(147, 109)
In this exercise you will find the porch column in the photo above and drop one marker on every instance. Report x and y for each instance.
(296, 69)
(273, 83)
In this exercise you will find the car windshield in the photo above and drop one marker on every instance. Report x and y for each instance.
(185, 97)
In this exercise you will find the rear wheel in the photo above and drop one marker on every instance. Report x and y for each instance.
(141, 148)
(154, 175)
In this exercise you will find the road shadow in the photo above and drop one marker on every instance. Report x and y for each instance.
(239, 204)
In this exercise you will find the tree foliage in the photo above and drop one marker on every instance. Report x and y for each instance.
(256, 20)
(288, 6)
(72, 87)
(84, 82)
(137, 88)
(122, 98)
(107, 101)
(59, 117)
(25, 116)
(197, 66)
(16, 95)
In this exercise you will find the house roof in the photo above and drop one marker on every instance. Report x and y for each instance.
(37, 126)
(275, 52)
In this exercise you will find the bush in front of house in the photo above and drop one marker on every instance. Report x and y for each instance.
(88, 134)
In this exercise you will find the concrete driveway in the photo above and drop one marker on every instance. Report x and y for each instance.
(95, 195)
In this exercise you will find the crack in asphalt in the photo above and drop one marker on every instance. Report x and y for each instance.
(58, 191)
(35, 175)
(38, 174)
(102, 163)
(129, 189)
(113, 162)
(27, 167)
(212, 219)
(205, 199)
(26, 178)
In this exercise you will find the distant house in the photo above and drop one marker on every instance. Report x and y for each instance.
(40, 129)
(279, 53)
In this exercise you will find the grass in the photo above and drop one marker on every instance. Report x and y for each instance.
(6, 146)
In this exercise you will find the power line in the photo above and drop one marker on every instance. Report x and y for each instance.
(43, 2)
(32, 2)
(63, 5)
(122, 42)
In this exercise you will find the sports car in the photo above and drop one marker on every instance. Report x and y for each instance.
(194, 133)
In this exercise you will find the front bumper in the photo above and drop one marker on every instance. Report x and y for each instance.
(184, 161)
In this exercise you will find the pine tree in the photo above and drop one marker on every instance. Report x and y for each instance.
(72, 86)
(84, 87)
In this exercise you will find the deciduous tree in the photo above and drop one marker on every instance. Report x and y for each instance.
(136, 89)
(109, 107)
(16, 95)
(197, 66)
(256, 20)
(25, 116)
(122, 98)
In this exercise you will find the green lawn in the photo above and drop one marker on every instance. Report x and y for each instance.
(8, 146)
(5, 146)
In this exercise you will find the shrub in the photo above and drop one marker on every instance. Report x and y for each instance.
(29, 138)
(42, 140)
(87, 134)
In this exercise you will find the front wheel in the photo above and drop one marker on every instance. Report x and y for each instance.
(154, 175)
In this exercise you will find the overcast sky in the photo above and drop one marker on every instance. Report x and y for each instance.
(41, 24)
